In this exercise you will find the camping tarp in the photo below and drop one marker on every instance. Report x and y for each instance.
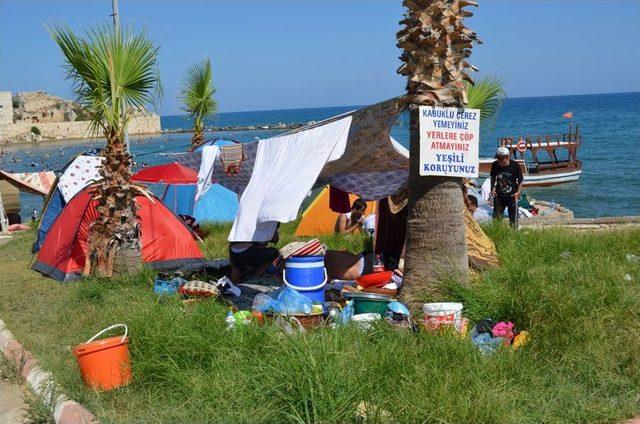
(30, 182)
(319, 219)
(78, 174)
(55, 201)
(373, 165)
(166, 243)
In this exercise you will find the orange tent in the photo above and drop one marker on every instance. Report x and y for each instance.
(319, 219)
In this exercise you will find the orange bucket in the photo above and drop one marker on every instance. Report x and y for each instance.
(105, 364)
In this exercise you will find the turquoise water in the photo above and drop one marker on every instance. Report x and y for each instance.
(609, 124)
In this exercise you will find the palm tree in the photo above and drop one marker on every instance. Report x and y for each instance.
(435, 45)
(197, 97)
(487, 95)
(114, 75)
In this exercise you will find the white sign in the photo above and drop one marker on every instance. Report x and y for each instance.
(449, 140)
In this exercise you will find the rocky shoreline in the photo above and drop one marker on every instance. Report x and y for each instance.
(233, 128)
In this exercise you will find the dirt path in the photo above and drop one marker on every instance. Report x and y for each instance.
(11, 403)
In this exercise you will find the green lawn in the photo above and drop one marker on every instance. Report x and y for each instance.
(582, 365)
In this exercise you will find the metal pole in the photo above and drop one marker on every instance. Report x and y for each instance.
(115, 15)
(116, 25)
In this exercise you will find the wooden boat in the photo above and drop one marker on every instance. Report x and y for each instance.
(545, 160)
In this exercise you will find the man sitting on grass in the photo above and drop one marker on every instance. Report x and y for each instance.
(479, 214)
(351, 222)
(252, 259)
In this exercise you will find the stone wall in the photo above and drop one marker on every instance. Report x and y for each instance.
(6, 108)
(38, 106)
(140, 124)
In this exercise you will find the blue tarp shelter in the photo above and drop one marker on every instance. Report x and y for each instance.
(218, 204)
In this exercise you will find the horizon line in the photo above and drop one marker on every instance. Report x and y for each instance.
(363, 105)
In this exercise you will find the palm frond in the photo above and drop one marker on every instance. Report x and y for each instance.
(113, 73)
(487, 95)
(196, 93)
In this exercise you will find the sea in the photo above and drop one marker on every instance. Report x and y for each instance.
(610, 151)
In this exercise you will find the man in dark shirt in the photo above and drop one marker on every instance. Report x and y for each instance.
(506, 182)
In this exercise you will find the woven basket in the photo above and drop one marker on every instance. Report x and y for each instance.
(309, 321)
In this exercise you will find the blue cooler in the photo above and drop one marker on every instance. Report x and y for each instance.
(306, 275)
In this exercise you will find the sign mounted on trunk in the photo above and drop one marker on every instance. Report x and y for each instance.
(449, 140)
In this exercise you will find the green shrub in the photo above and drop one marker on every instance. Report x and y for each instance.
(35, 130)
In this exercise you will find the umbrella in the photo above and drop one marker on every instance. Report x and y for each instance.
(169, 173)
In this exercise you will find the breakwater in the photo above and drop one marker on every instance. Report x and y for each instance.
(233, 128)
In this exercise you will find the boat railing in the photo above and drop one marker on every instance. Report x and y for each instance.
(549, 143)
(541, 141)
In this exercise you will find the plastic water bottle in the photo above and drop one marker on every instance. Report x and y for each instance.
(230, 321)
(378, 266)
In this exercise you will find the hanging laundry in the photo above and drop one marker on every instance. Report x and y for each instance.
(232, 157)
(285, 169)
(339, 200)
(209, 155)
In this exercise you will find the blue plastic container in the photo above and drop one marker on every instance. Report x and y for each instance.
(306, 275)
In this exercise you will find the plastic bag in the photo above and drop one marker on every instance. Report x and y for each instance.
(288, 302)
(347, 312)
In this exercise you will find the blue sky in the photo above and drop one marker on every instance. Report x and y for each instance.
(279, 54)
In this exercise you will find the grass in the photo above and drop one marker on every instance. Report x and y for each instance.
(581, 366)
(38, 410)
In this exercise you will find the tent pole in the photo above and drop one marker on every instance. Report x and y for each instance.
(4, 220)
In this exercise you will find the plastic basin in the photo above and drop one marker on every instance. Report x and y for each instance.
(368, 303)
(376, 279)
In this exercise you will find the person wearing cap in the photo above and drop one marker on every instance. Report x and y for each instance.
(506, 183)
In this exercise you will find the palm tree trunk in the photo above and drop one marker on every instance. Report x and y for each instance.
(436, 244)
(436, 45)
(198, 137)
(198, 133)
(114, 235)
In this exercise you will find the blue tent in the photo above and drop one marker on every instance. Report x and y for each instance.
(217, 204)
(180, 198)
(52, 209)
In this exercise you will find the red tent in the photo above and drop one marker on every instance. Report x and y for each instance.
(169, 173)
(166, 242)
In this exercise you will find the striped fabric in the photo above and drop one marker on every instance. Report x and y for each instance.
(300, 248)
(311, 248)
(232, 157)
